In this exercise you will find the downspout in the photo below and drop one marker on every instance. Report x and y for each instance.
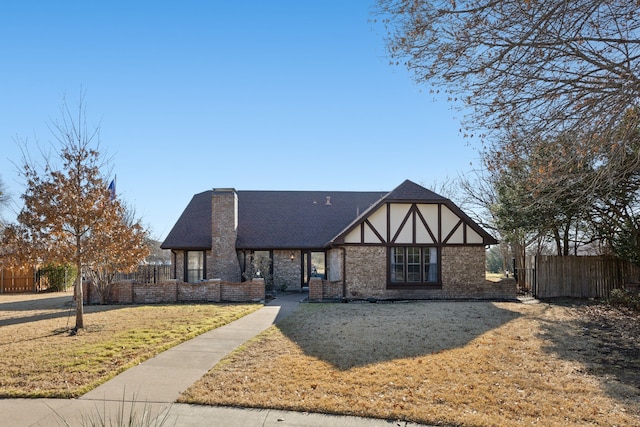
(344, 273)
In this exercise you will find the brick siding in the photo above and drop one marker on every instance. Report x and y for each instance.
(463, 276)
(287, 271)
(224, 260)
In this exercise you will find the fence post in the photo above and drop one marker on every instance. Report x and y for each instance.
(534, 282)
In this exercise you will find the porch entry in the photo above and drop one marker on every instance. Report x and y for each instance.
(313, 265)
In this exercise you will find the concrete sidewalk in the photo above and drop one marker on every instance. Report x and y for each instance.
(149, 389)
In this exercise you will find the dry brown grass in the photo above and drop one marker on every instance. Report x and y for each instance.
(460, 363)
(38, 357)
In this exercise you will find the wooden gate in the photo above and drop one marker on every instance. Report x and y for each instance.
(17, 281)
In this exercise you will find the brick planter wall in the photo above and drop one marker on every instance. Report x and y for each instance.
(128, 292)
(320, 290)
(205, 291)
(155, 294)
(243, 292)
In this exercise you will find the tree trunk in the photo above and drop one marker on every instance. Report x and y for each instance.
(556, 237)
(79, 299)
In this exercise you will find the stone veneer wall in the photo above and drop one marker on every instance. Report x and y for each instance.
(287, 271)
(223, 262)
(128, 292)
(463, 276)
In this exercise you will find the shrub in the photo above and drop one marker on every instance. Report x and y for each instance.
(56, 277)
(624, 298)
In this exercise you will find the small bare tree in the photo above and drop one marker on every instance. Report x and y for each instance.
(70, 215)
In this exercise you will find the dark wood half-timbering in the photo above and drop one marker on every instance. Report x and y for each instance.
(415, 223)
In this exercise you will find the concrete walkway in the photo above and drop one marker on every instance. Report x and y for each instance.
(149, 389)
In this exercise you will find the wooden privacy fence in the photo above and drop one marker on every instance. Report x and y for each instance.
(582, 276)
(17, 281)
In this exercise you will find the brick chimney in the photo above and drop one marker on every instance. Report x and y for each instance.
(224, 231)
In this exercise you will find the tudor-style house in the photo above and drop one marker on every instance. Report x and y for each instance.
(407, 243)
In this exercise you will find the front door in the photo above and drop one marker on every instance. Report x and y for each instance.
(313, 265)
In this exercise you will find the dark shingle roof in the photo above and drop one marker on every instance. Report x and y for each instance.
(297, 219)
(410, 191)
(294, 219)
(273, 219)
(193, 228)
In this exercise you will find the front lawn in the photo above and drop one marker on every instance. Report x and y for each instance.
(38, 357)
(458, 363)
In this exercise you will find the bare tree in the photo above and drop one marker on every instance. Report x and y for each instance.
(4, 202)
(530, 70)
(553, 90)
(551, 66)
(70, 215)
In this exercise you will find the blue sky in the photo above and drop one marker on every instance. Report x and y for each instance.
(193, 95)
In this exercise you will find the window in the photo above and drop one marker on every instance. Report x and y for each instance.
(314, 264)
(413, 265)
(256, 265)
(195, 266)
(397, 265)
(430, 264)
(261, 264)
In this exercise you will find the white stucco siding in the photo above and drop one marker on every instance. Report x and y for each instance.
(397, 215)
(458, 236)
(378, 220)
(406, 234)
(473, 237)
(370, 236)
(430, 215)
(422, 235)
(353, 236)
(449, 221)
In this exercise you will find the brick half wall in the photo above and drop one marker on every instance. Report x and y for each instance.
(320, 290)
(128, 292)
